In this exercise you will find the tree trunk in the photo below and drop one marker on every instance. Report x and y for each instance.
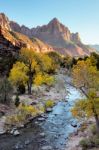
(97, 123)
(96, 118)
(30, 84)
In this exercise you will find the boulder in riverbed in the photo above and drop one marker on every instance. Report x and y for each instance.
(49, 110)
(46, 148)
(16, 133)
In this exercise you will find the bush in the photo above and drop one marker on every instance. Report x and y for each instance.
(90, 142)
(22, 115)
(95, 140)
(49, 104)
(84, 144)
(93, 130)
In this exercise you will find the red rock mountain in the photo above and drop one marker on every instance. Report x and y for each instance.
(18, 39)
(54, 35)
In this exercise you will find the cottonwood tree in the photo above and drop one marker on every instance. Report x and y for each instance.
(29, 57)
(33, 67)
(18, 74)
(86, 77)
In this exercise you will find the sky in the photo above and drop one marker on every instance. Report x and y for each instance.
(78, 15)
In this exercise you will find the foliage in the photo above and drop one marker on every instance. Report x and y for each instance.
(18, 74)
(67, 62)
(84, 143)
(32, 68)
(94, 57)
(85, 75)
(23, 113)
(43, 79)
(92, 141)
(85, 107)
(47, 64)
(5, 91)
(93, 130)
(49, 103)
(56, 57)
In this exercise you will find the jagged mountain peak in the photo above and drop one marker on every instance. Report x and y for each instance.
(54, 33)
(4, 21)
(54, 21)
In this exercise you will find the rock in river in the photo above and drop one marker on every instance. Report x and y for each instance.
(49, 109)
(16, 133)
(46, 148)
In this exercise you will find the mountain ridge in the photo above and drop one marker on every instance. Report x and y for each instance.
(54, 36)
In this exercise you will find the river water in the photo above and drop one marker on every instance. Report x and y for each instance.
(50, 134)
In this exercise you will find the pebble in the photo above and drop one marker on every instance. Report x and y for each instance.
(27, 142)
(46, 148)
(41, 119)
(49, 110)
(42, 134)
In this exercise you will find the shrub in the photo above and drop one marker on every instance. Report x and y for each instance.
(95, 140)
(84, 144)
(22, 115)
(93, 130)
(49, 103)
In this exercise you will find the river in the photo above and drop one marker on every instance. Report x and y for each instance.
(50, 134)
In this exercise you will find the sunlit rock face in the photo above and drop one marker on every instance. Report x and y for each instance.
(53, 36)
(4, 22)
(58, 36)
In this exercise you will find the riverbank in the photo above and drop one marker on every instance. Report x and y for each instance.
(49, 133)
(39, 96)
(83, 132)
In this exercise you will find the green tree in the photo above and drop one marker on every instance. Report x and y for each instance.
(5, 90)
(94, 57)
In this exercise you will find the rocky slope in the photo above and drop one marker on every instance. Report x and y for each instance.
(11, 42)
(19, 39)
(56, 35)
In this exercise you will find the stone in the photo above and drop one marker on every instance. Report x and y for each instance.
(42, 134)
(27, 142)
(74, 124)
(41, 119)
(16, 133)
(49, 110)
(44, 115)
(19, 146)
(2, 132)
(46, 148)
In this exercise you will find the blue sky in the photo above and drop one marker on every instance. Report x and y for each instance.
(79, 15)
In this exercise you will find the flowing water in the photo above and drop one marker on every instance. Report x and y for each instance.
(50, 134)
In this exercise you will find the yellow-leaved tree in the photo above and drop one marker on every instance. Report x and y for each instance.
(33, 67)
(86, 78)
(18, 74)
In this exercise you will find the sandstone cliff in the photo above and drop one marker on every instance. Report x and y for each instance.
(56, 35)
